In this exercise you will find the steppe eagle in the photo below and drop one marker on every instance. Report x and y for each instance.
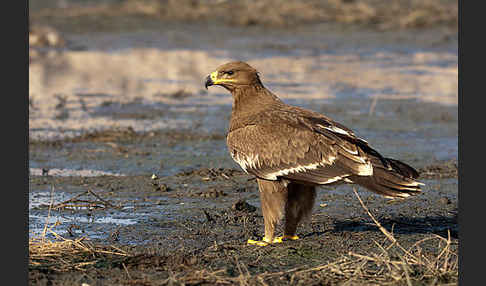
(291, 150)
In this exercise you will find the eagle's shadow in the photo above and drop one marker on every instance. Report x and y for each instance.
(439, 225)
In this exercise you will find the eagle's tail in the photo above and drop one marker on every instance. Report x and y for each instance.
(391, 178)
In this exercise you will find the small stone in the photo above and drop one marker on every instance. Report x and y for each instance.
(163, 188)
(445, 200)
(242, 205)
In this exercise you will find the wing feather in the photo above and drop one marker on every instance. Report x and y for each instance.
(297, 153)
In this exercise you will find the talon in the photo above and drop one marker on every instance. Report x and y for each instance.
(265, 241)
(285, 237)
(256, 242)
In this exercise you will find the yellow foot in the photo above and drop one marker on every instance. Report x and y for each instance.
(267, 241)
(257, 242)
(281, 239)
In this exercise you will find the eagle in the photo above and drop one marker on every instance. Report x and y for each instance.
(291, 150)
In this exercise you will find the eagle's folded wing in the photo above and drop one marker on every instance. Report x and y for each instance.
(295, 151)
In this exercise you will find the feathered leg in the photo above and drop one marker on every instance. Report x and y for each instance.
(300, 200)
(273, 199)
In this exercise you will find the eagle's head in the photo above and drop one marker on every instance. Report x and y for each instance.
(233, 75)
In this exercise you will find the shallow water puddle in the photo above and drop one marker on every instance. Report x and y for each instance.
(38, 222)
(70, 172)
(93, 215)
(73, 214)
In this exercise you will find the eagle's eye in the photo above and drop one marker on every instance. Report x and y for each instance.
(230, 72)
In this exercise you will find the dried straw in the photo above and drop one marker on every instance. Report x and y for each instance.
(62, 254)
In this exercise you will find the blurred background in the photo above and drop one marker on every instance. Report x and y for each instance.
(387, 69)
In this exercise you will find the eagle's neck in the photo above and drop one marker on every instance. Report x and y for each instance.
(248, 101)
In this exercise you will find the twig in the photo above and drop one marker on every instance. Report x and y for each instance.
(75, 199)
(126, 270)
(99, 198)
(48, 213)
(382, 229)
(69, 200)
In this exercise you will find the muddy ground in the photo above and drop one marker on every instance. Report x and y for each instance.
(189, 222)
(200, 218)
(127, 149)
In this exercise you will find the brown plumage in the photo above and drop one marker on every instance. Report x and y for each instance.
(291, 150)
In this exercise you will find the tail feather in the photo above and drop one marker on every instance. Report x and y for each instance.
(403, 168)
(395, 180)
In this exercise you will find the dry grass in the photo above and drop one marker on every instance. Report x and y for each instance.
(62, 254)
(66, 254)
(386, 267)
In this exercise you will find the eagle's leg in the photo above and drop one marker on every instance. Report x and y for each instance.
(273, 198)
(300, 201)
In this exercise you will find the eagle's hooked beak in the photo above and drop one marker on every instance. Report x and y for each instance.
(211, 79)
(209, 82)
